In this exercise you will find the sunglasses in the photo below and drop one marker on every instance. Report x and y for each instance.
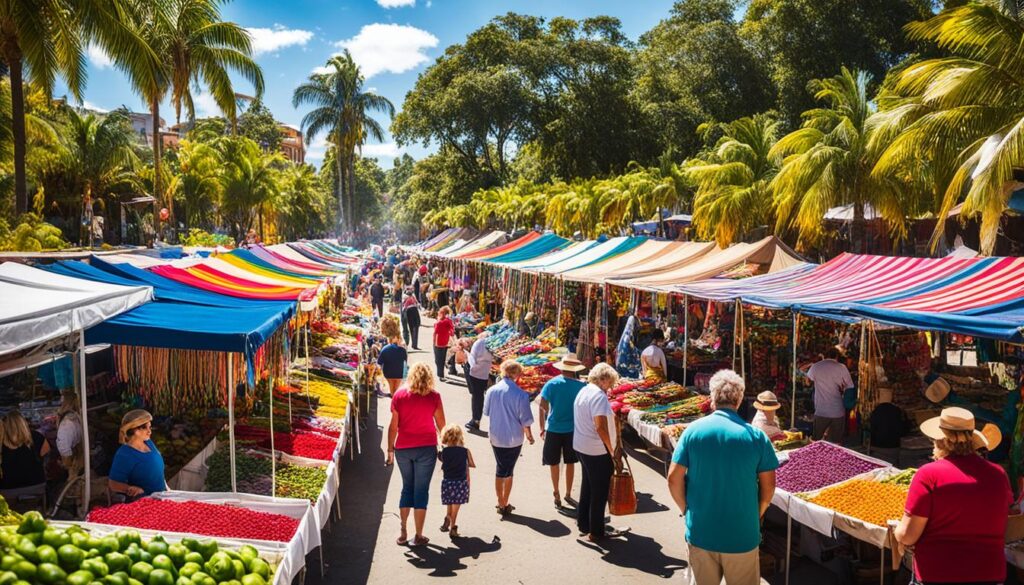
(145, 426)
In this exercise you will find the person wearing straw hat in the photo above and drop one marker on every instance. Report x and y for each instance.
(765, 419)
(556, 423)
(957, 506)
(138, 467)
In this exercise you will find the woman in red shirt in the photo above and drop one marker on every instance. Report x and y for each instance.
(957, 508)
(443, 331)
(417, 416)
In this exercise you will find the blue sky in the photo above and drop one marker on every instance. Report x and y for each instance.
(392, 40)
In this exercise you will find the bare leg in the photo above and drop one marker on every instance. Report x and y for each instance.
(569, 471)
(453, 512)
(499, 491)
(403, 514)
(507, 489)
(554, 479)
(419, 517)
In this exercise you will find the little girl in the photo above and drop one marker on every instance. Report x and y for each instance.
(455, 463)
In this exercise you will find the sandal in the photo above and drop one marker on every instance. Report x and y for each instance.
(572, 502)
(419, 541)
(444, 525)
(558, 501)
(403, 539)
(454, 532)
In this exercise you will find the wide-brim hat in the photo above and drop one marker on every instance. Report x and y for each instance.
(954, 419)
(767, 401)
(937, 391)
(993, 435)
(569, 363)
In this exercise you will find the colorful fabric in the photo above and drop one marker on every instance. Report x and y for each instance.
(627, 357)
(454, 492)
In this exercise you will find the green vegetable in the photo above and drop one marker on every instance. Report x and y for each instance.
(164, 562)
(134, 553)
(50, 574)
(239, 568)
(70, 557)
(202, 578)
(207, 547)
(26, 549)
(81, 577)
(25, 570)
(96, 566)
(117, 561)
(9, 561)
(127, 537)
(161, 577)
(46, 554)
(183, 581)
(189, 569)
(194, 557)
(7, 578)
(177, 553)
(220, 567)
(157, 546)
(55, 538)
(253, 579)
(80, 539)
(141, 571)
(31, 523)
(260, 567)
(118, 578)
(109, 544)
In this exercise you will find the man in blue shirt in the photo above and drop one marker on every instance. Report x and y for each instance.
(722, 478)
(556, 424)
(507, 406)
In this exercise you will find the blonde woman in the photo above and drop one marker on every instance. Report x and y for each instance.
(21, 461)
(957, 507)
(456, 460)
(595, 440)
(392, 357)
(416, 416)
(507, 406)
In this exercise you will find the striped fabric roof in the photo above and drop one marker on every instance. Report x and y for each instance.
(499, 250)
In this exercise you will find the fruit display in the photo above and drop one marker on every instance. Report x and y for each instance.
(8, 517)
(179, 440)
(818, 465)
(37, 553)
(871, 501)
(792, 440)
(902, 478)
(680, 412)
(252, 475)
(198, 518)
(310, 445)
(328, 400)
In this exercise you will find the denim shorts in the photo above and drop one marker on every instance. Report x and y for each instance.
(416, 464)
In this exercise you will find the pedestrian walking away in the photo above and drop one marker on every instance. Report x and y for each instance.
(831, 379)
(392, 358)
(444, 329)
(556, 424)
(416, 417)
(377, 296)
(411, 310)
(478, 378)
(722, 477)
(595, 439)
(507, 407)
(456, 460)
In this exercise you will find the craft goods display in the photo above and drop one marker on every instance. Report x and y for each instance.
(198, 518)
(818, 465)
(40, 554)
(872, 501)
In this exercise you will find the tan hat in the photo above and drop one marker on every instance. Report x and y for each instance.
(993, 435)
(569, 363)
(954, 419)
(937, 391)
(767, 401)
(132, 420)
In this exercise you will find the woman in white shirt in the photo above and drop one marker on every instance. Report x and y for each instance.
(595, 442)
(69, 433)
(765, 419)
(653, 357)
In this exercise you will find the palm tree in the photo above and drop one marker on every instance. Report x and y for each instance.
(197, 48)
(49, 37)
(946, 108)
(197, 182)
(249, 181)
(341, 110)
(733, 193)
(828, 162)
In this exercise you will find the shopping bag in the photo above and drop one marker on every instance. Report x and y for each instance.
(622, 493)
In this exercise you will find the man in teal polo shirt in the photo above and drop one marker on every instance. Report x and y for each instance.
(722, 478)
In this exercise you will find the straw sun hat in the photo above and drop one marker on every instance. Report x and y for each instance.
(954, 419)
(569, 363)
(767, 401)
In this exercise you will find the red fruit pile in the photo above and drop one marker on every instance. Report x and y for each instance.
(303, 444)
(198, 518)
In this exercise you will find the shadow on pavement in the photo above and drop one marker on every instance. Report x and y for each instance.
(444, 561)
(637, 552)
(349, 544)
(646, 504)
(477, 433)
(549, 528)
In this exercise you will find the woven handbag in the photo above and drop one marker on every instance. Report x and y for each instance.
(622, 493)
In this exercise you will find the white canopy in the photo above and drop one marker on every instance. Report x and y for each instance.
(37, 306)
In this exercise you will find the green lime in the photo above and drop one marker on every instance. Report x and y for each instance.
(117, 561)
(260, 567)
(25, 570)
(70, 556)
(161, 577)
(46, 554)
(50, 574)
(97, 567)
(141, 571)
(80, 577)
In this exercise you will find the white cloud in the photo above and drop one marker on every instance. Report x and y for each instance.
(91, 106)
(391, 48)
(317, 149)
(205, 105)
(385, 150)
(396, 3)
(430, 3)
(99, 57)
(271, 40)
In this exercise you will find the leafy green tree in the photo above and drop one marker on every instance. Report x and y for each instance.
(49, 37)
(342, 110)
(828, 162)
(259, 124)
(955, 119)
(733, 192)
(249, 183)
(713, 73)
(197, 182)
(801, 40)
(305, 208)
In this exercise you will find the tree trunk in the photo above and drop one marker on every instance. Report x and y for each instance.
(352, 192)
(86, 213)
(21, 203)
(857, 228)
(261, 222)
(341, 189)
(154, 110)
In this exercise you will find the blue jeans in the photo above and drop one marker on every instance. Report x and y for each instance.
(416, 464)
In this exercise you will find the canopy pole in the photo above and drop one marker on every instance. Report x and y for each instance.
(686, 336)
(273, 454)
(792, 407)
(309, 364)
(87, 470)
(231, 419)
(735, 334)
(558, 309)
(743, 332)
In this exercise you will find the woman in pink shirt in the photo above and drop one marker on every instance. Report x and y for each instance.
(957, 508)
(417, 416)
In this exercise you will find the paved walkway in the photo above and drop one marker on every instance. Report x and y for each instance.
(536, 544)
